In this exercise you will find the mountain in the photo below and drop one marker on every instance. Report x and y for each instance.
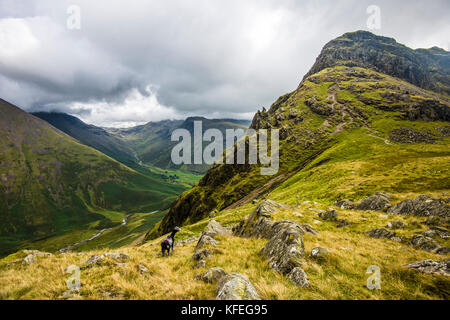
(371, 115)
(153, 144)
(90, 135)
(54, 186)
(145, 145)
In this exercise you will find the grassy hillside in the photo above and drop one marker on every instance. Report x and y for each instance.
(54, 186)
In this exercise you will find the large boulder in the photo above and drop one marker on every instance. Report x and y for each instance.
(213, 275)
(285, 249)
(214, 229)
(379, 201)
(259, 224)
(430, 267)
(236, 286)
(422, 206)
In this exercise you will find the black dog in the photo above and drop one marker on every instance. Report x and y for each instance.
(169, 242)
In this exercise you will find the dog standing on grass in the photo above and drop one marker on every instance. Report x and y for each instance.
(169, 242)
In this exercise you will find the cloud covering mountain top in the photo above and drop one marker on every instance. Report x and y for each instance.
(134, 61)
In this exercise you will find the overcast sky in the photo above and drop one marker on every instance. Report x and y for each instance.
(136, 61)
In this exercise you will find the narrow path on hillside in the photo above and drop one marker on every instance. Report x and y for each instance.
(95, 236)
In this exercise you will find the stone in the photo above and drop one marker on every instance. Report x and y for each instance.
(236, 286)
(319, 252)
(29, 259)
(436, 221)
(284, 249)
(432, 267)
(329, 215)
(201, 255)
(299, 277)
(142, 268)
(214, 229)
(438, 232)
(205, 240)
(422, 206)
(424, 243)
(381, 233)
(93, 260)
(200, 264)
(379, 201)
(213, 275)
(117, 256)
(395, 225)
(345, 204)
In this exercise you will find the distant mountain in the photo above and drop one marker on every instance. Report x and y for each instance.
(90, 135)
(371, 115)
(52, 185)
(148, 144)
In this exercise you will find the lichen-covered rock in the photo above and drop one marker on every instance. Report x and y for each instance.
(201, 254)
(213, 275)
(236, 286)
(29, 259)
(430, 267)
(329, 215)
(319, 252)
(117, 255)
(422, 206)
(379, 201)
(214, 229)
(92, 261)
(299, 277)
(205, 240)
(395, 225)
(259, 224)
(381, 233)
(438, 232)
(425, 243)
(345, 204)
(284, 250)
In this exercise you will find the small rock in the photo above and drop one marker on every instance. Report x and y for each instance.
(201, 255)
(200, 264)
(236, 286)
(345, 204)
(142, 268)
(329, 215)
(319, 252)
(205, 240)
(213, 275)
(29, 259)
(395, 225)
(93, 260)
(117, 256)
(381, 233)
(299, 277)
(317, 222)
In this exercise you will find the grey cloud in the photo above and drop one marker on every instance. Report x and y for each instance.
(200, 57)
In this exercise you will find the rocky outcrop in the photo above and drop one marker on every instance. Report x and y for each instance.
(422, 206)
(432, 267)
(407, 135)
(260, 224)
(31, 256)
(428, 244)
(438, 232)
(117, 255)
(377, 202)
(214, 275)
(236, 286)
(92, 261)
(345, 204)
(29, 259)
(213, 229)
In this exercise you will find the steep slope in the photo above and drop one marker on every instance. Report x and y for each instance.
(52, 185)
(346, 131)
(90, 135)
